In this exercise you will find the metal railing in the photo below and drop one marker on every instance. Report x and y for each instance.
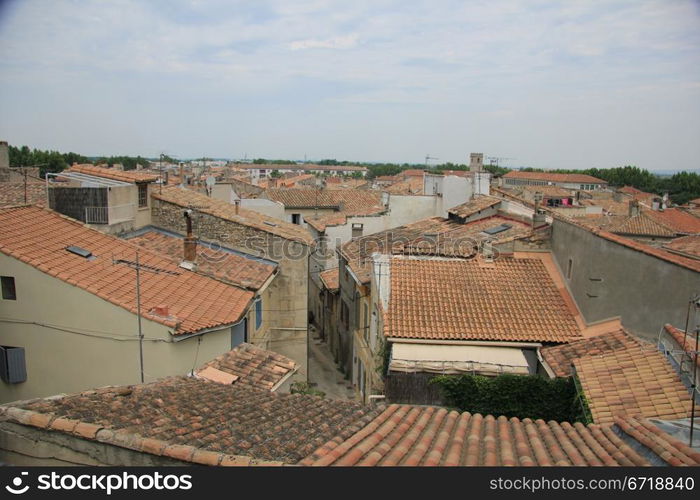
(109, 215)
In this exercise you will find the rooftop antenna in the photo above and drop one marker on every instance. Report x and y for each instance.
(495, 160)
(427, 158)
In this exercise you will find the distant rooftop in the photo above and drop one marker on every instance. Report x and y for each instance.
(131, 176)
(554, 177)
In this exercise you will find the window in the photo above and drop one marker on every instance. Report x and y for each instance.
(8, 288)
(13, 368)
(143, 195)
(365, 322)
(356, 230)
(258, 314)
(569, 266)
(296, 219)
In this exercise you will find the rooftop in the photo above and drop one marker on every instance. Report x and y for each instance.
(40, 237)
(560, 358)
(230, 267)
(430, 436)
(435, 235)
(474, 206)
(513, 299)
(637, 380)
(250, 366)
(198, 421)
(688, 246)
(676, 219)
(187, 198)
(131, 176)
(554, 177)
(637, 225)
(350, 202)
(331, 279)
(12, 193)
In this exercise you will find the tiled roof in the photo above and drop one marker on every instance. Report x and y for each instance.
(510, 300)
(347, 184)
(685, 342)
(548, 191)
(252, 366)
(321, 222)
(132, 176)
(221, 209)
(473, 206)
(304, 167)
(12, 193)
(688, 245)
(411, 185)
(430, 436)
(637, 225)
(435, 235)
(331, 279)
(687, 262)
(676, 219)
(637, 381)
(39, 237)
(350, 202)
(561, 357)
(232, 268)
(198, 421)
(554, 177)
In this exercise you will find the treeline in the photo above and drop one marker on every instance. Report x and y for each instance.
(128, 162)
(47, 161)
(681, 187)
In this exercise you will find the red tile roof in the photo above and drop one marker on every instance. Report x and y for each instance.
(331, 279)
(637, 380)
(510, 300)
(429, 436)
(198, 421)
(474, 206)
(12, 193)
(638, 225)
(229, 267)
(39, 237)
(251, 366)
(676, 219)
(217, 208)
(435, 235)
(132, 176)
(350, 202)
(560, 358)
(688, 246)
(554, 177)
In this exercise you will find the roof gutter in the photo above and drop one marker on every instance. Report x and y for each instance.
(522, 345)
(179, 338)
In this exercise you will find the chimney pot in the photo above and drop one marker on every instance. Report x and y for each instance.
(237, 204)
(161, 310)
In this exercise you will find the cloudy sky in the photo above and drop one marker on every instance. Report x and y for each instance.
(550, 84)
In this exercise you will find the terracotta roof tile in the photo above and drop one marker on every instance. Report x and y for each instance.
(331, 279)
(349, 202)
(637, 380)
(249, 273)
(428, 436)
(12, 193)
(560, 358)
(676, 219)
(221, 209)
(132, 176)
(474, 206)
(435, 235)
(200, 421)
(252, 366)
(638, 225)
(554, 177)
(688, 246)
(513, 299)
(39, 237)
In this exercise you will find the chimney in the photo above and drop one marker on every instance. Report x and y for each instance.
(656, 204)
(237, 205)
(190, 244)
(4, 155)
(182, 173)
(633, 208)
(272, 182)
(161, 310)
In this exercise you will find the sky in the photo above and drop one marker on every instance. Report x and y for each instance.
(549, 84)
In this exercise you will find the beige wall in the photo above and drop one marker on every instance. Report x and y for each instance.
(63, 362)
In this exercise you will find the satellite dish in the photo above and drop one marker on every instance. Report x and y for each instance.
(210, 181)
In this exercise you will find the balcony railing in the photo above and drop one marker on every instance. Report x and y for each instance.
(109, 215)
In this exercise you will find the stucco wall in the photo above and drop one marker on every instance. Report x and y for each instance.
(288, 308)
(267, 207)
(608, 279)
(100, 347)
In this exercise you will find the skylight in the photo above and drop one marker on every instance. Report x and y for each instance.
(497, 229)
(79, 251)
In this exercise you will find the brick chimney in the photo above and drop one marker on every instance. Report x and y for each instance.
(190, 243)
(4, 155)
(633, 208)
(161, 310)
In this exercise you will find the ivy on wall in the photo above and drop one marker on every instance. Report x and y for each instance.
(519, 396)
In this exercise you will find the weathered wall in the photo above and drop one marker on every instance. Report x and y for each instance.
(22, 445)
(87, 342)
(608, 279)
(264, 206)
(289, 308)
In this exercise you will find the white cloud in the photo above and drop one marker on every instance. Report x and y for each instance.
(339, 42)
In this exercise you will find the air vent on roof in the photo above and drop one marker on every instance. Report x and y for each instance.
(498, 229)
(271, 224)
(79, 251)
